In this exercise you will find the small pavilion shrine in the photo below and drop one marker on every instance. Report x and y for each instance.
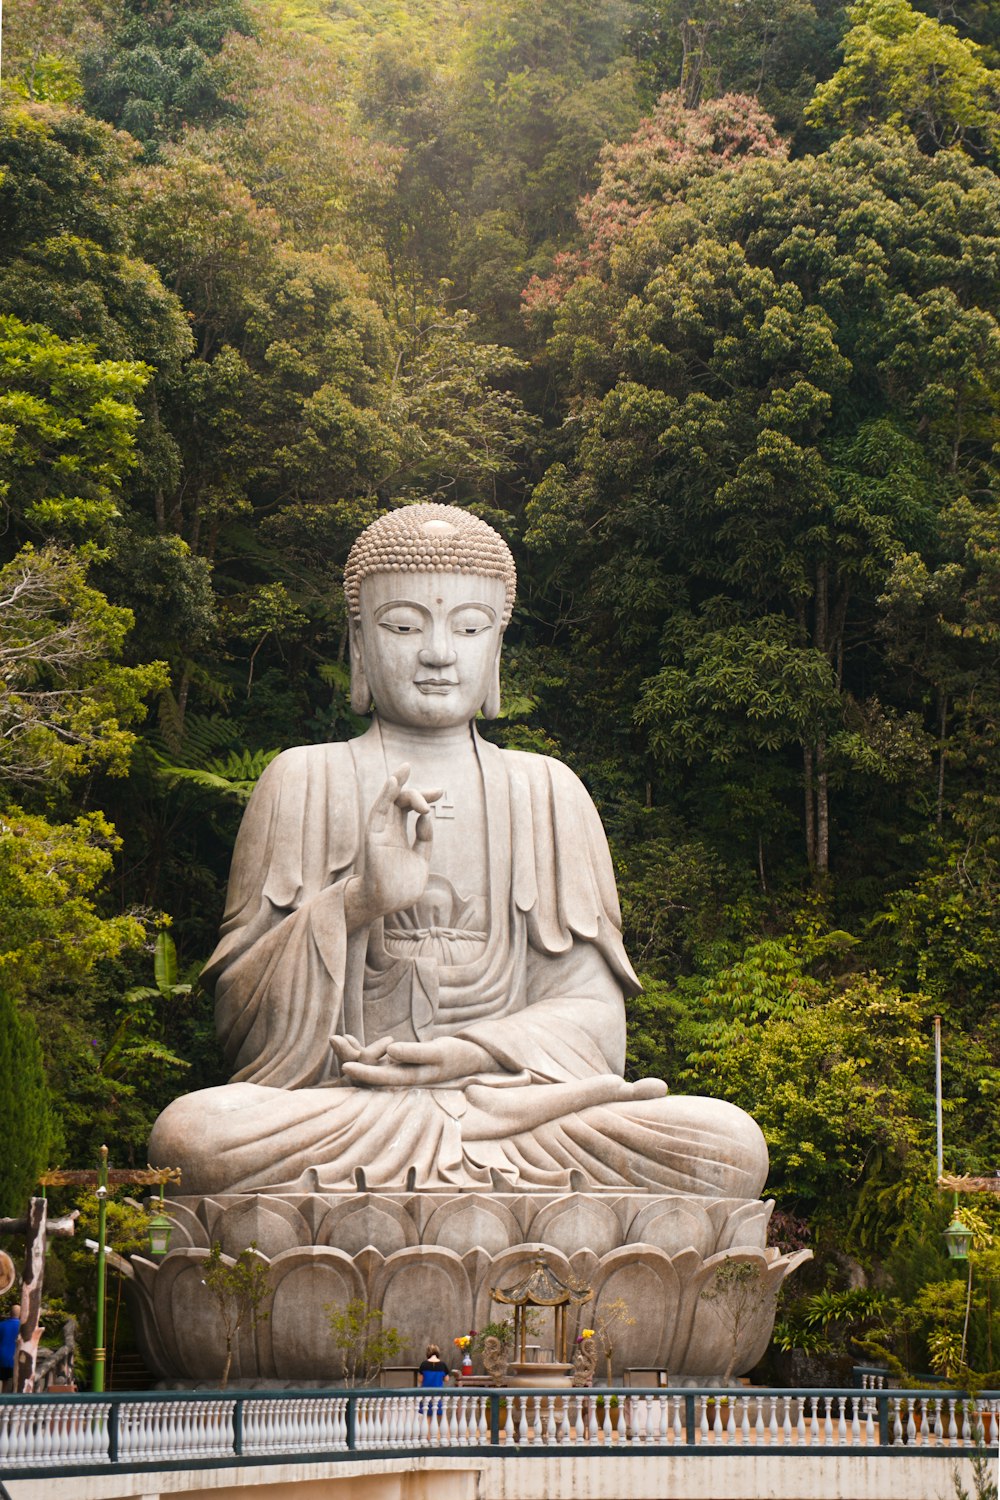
(542, 1288)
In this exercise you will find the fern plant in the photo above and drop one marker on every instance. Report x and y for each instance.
(134, 1048)
(210, 760)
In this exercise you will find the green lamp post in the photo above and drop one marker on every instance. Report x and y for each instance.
(100, 1352)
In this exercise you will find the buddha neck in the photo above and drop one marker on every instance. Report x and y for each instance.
(446, 760)
(450, 740)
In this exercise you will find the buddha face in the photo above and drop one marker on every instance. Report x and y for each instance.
(428, 645)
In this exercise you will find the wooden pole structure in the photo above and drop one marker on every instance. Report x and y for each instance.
(31, 1296)
(37, 1228)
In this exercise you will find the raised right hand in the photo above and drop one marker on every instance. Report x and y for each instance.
(395, 871)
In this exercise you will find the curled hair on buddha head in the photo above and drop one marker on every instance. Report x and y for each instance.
(429, 538)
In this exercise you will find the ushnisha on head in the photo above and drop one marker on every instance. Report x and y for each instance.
(429, 592)
(429, 538)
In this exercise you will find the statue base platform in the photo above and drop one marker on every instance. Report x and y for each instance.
(429, 1259)
(539, 1376)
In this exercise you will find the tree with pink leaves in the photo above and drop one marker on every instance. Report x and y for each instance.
(671, 148)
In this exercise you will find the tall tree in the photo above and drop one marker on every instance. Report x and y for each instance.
(670, 149)
(911, 71)
(159, 68)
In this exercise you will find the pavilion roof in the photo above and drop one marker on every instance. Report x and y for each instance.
(542, 1288)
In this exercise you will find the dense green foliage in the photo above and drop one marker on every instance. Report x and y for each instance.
(25, 1105)
(157, 69)
(699, 302)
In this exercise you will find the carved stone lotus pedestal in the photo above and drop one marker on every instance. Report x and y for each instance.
(429, 1259)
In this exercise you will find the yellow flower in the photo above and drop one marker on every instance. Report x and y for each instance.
(588, 1333)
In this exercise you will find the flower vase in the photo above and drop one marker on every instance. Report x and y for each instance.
(466, 1364)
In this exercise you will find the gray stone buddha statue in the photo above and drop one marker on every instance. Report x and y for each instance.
(420, 978)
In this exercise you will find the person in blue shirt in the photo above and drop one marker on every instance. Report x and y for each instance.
(433, 1372)
(9, 1328)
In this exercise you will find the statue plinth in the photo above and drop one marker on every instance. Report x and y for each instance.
(428, 1260)
(538, 1375)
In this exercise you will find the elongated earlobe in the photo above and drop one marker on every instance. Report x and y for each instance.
(491, 703)
(361, 697)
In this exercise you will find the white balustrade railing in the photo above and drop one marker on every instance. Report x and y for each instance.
(296, 1424)
(72, 1433)
(165, 1430)
(47, 1435)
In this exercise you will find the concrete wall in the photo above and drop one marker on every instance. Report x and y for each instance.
(732, 1475)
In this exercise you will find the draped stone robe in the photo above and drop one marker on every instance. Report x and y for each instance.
(534, 972)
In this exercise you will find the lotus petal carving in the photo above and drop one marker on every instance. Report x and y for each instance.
(429, 1260)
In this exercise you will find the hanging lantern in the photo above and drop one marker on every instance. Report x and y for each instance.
(160, 1230)
(958, 1238)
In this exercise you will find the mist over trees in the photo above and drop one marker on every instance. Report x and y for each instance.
(696, 302)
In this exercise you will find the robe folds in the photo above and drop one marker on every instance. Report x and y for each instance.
(534, 971)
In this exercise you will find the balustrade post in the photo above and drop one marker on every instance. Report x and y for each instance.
(238, 1427)
(113, 1415)
(689, 1419)
(352, 1419)
(882, 1403)
(495, 1418)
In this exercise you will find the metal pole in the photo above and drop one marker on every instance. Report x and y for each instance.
(968, 1300)
(102, 1268)
(937, 1096)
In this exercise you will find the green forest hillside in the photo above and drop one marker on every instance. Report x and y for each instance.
(697, 301)
(352, 25)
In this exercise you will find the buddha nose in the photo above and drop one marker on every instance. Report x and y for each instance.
(439, 650)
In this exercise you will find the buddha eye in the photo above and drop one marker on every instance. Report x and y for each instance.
(470, 622)
(401, 624)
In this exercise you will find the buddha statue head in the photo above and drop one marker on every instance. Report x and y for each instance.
(429, 592)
